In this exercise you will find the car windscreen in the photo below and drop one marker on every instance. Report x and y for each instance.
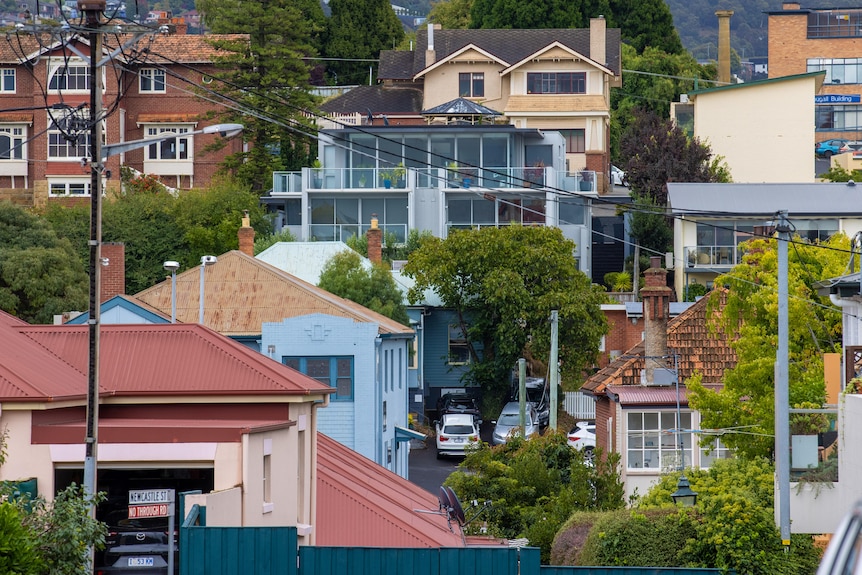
(458, 429)
(512, 419)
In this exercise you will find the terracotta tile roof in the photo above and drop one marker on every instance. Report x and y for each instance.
(509, 46)
(48, 363)
(242, 292)
(360, 503)
(688, 335)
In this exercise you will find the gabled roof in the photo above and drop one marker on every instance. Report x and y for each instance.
(455, 55)
(242, 292)
(818, 76)
(305, 260)
(48, 363)
(554, 45)
(504, 45)
(148, 314)
(699, 350)
(362, 504)
(379, 99)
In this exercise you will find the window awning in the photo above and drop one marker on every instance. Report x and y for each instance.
(404, 434)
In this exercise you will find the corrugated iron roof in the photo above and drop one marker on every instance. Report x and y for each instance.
(49, 363)
(360, 503)
(242, 292)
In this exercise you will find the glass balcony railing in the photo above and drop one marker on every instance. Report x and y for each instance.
(451, 178)
(712, 256)
(343, 232)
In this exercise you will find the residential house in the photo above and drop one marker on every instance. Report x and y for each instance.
(642, 409)
(181, 407)
(626, 327)
(812, 39)
(362, 354)
(708, 241)
(149, 90)
(771, 119)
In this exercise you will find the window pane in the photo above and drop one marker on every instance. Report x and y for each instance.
(318, 368)
(322, 211)
(460, 211)
(292, 362)
(483, 212)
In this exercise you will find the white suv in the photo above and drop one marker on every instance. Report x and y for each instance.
(456, 431)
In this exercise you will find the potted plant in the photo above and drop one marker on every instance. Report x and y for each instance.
(396, 174)
(317, 174)
(535, 174)
(453, 174)
(585, 178)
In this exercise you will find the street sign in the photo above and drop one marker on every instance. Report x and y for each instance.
(150, 496)
(158, 510)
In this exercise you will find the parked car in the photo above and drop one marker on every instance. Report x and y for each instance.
(618, 177)
(459, 403)
(537, 396)
(509, 422)
(456, 432)
(137, 546)
(852, 146)
(828, 148)
(843, 555)
(583, 437)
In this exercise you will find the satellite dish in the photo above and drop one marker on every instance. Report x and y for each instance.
(456, 512)
(443, 498)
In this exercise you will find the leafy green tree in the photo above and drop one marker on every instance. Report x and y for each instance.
(40, 274)
(733, 520)
(746, 401)
(649, 225)
(503, 283)
(359, 29)
(451, 14)
(646, 23)
(18, 555)
(264, 71)
(345, 276)
(264, 242)
(534, 485)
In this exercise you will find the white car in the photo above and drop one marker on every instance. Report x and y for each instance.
(583, 435)
(455, 432)
(618, 177)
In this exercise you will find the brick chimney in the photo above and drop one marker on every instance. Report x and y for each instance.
(598, 40)
(724, 45)
(113, 270)
(656, 304)
(246, 236)
(790, 5)
(375, 241)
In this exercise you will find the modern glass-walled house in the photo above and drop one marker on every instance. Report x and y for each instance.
(435, 178)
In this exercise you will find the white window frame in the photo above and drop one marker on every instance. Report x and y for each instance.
(73, 151)
(655, 441)
(6, 74)
(81, 75)
(152, 81)
(17, 134)
(183, 144)
(69, 187)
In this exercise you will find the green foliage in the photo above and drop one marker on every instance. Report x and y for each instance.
(451, 14)
(392, 249)
(645, 24)
(375, 289)
(649, 225)
(261, 243)
(534, 485)
(359, 29)
(694, 291)
(569, 540)
(18, 555)
(839, 174)
(659, 152)
(266, 72)
(619, 281)
(40, 274)
(734, 520)
(503, 283)
(746, 400)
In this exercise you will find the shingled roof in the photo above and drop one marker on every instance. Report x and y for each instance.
(509, 46)
(242, 292)
(699, 350)
(379, 99)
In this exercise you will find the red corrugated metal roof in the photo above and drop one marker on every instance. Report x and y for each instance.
(628, 395)
(46, 363)
(360, 503)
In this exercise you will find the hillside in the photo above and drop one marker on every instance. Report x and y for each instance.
(698, 27)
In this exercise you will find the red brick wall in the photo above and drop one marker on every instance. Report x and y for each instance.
(114, 274)
(790, 47)
(605, 411)
(622, 335)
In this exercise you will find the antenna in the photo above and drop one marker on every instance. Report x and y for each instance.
(456, 512)
(450, 508)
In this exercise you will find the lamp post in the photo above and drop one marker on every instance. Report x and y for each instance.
(172, 267)
(205, 261)
(684, 496)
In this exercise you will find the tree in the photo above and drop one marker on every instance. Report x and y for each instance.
(646, 23)
(745, 403)
(392, 249)
(374, 288)
(451, 14)
(502, 284)
(359, 29)
(263, 70)
(40, 274)
(534, 485)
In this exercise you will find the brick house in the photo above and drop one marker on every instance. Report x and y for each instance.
(808, 40)
(149, 90)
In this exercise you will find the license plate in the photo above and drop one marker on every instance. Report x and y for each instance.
(140, 561)
(459, 440)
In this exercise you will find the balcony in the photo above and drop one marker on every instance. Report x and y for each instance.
(449, 178)
(723, 257)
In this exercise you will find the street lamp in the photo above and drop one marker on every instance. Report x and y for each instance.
(684, 496)
(205, 261)
(172, 267)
